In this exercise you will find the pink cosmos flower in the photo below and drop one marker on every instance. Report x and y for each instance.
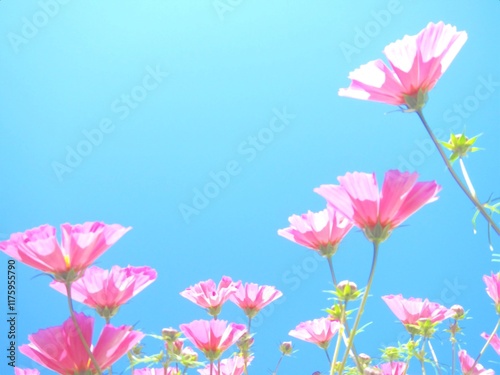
(81, 245)
(321, 231)
(377, 214)
(493, 287)
(318, 331)
(394, 368)
(495, 341)
(251, 298)
(61, 350)
(107, 290)
(411, 311)
(466, 363)
(213, 337)
(229, 366)
(25, 371)
(206, 294)
(157, 371)
(417, 64)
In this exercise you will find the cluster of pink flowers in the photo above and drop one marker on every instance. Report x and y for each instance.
(65, 348)
(215, 336)
(416, 64)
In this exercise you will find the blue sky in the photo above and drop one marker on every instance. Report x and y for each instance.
(125, 112)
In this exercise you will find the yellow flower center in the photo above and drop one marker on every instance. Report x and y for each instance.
(66, 260)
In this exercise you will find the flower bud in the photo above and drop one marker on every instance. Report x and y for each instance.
(286, 348)
(460, 145)
(364, 359)
(175, 347)
(244, 344)
(347, 291)
(189, 355)
(170, 334)
(459, 312)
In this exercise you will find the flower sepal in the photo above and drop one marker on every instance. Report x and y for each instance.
(107, 312)
(416, 102)
(377, 234)
(346, 291)
(460, 145)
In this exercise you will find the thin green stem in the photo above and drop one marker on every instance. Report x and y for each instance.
(244, 366)
(361, 307)
(344, 320)
(485, 346)
(422, 364)
(453, 353)
(249, 324)
(110, 368)
(434, 358)
(79, 331)
(330, 265)
(328, 356)
(472, 198)
(275, 372)
(337, 347)
(421, 358)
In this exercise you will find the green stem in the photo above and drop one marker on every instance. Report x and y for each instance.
(79, 331)
(434, 358)
(344, 322)
(244, 366)
(422, 364)
(110, 368)
(332, 273)
(329, 359)
(453, 353)
(361, 307)
(340, 334)
(472, 198)
(485, 346)
(421, 358)
(275, 372)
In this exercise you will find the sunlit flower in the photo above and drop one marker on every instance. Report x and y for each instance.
(378, 213)
(466, 363)
(230, 366)
(212, 337)
(210, 296)
(419, 316)
(318, 331)
(321, 231)
(252, 298)
(107, 290)
(417, 63)
(493, 288)
(81, 245)
(61, 350)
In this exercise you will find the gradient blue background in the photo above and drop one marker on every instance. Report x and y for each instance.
(227, 73)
